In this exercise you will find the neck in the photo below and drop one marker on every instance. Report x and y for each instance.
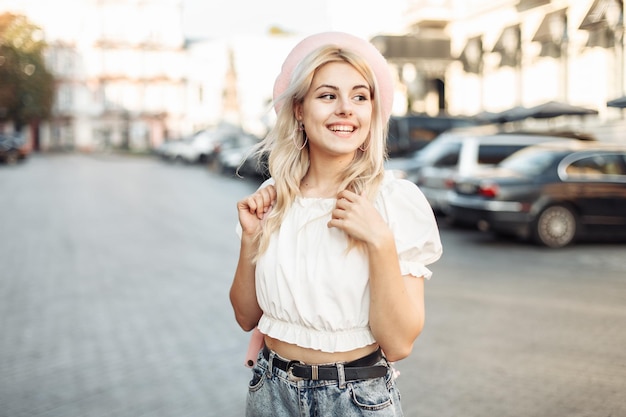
(324, 175)
(322, 182)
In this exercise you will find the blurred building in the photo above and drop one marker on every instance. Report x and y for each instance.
(128, 78)
(231, 79)
(467, 57)
(120, 71)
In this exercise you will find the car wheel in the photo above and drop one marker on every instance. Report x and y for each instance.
(556, 226)
(12, 158)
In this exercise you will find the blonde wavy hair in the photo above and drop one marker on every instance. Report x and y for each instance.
(288, 164)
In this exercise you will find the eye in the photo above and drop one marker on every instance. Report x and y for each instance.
(362, 95)
(327, 96)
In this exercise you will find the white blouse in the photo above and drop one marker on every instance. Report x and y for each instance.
(315, 294)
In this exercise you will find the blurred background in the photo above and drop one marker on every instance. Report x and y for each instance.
(123, 124)
(133, 74)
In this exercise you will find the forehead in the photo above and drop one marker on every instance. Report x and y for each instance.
(338, 74)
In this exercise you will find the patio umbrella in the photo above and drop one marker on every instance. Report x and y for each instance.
(617, 102)
(552, 109)
(484, 117)
(513, 114)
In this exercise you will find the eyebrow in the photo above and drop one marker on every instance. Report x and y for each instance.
(356, 87)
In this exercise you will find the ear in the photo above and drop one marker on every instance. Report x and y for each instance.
(297, 111)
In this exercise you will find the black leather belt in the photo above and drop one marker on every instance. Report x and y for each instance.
(362, 368)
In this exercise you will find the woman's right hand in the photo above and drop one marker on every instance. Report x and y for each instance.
(253, 208)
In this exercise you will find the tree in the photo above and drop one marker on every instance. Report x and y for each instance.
(26, 85)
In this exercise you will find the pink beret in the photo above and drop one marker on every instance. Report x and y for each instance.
(342, 40)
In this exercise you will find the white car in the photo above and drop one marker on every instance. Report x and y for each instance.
(202, 146)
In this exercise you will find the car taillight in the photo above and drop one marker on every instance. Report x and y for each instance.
(449, 183)
(488, 190)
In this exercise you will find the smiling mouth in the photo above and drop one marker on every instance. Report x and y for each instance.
(342, 128)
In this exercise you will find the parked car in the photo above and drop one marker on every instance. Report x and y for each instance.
(410, 133)
(164, 150)
(232, 153)
(255, 165)
(553, 193)
(201, 147)
(435, 167)
(13, 148)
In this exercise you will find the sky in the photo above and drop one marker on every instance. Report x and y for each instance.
(202, 18)
(226, 18)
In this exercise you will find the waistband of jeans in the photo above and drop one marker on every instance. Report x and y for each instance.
(362, 368)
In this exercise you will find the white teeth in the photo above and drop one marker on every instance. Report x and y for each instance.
(342, 128)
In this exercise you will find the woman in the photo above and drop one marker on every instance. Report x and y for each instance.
(333, 249)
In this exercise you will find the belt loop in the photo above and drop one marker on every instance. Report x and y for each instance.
(314, 373)
(270, 363)
(341, 375)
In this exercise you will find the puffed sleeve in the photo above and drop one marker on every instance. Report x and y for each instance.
(265, 183)
(413, 224)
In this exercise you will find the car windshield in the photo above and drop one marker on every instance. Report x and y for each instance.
(529, 161)
(439, 151)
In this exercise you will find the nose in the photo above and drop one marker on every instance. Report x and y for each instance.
(344, 106)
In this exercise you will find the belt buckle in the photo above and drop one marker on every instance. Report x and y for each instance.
(290, 374)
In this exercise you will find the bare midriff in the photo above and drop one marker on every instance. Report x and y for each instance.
(315, 357)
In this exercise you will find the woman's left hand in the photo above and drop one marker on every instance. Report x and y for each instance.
(357, 216)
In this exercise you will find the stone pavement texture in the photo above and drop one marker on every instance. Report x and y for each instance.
(112, 300)
(114, 278)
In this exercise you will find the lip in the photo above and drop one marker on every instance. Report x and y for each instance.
(345, 128)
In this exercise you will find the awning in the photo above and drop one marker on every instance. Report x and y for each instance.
(509, 46)
(602, 14)
(523, 5)
(601, 21)
(472, 55)
(552, 32)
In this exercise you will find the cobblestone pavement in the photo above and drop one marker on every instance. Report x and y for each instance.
(114, 277)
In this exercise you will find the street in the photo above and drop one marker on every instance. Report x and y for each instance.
(114, 279)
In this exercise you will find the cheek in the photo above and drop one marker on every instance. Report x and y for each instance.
(366, 117)
(316, 115)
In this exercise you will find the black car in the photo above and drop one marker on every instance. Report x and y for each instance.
(553, 193)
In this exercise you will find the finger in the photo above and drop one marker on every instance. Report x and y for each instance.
(267, 199)
(259, 205)
(250, 204)
(342, 203)
(265, 202)
(348, 195)
(272, 190)
(334, 223)
(269, 195)
(338, 214)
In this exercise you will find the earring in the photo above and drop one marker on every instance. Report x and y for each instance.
(306, 138)
(366, 148)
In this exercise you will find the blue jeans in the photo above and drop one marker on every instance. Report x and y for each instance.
(273, 392)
